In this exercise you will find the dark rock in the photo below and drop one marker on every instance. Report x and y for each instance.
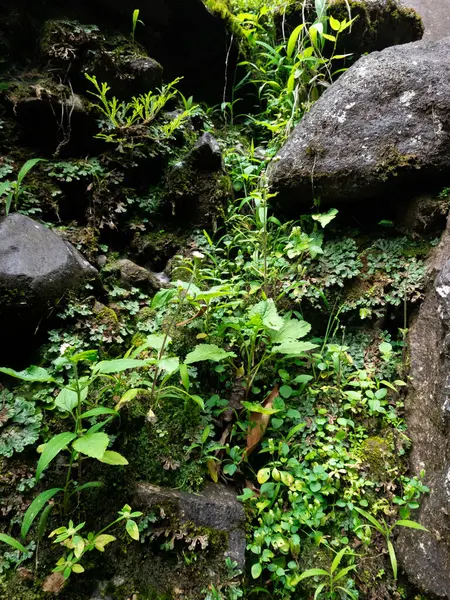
(383, 129)
(379, 23)
(132, 275)
(74, 48)
(426, 556)
(216, 508)
(197, 187)
(206, 153)
(52, 117)
(37, 269)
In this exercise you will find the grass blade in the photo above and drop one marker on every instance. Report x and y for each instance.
(35, 508)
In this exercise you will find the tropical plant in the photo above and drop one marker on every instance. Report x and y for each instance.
(386, 531)
(134, 21)
(12, 190)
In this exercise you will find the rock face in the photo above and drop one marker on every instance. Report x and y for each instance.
(382, 129)
(37, 268)
(198, 186)
(216, 508)
(379, 23)
(132, 275)
(426, 556)
(435, 16)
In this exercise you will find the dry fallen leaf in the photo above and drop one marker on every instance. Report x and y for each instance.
(53, 583)
(259, 422)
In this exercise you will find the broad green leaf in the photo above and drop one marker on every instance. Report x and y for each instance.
(51, 449)
(88, 355)
(154, 341)
(7, 539)
(291, 331)
(92, 444)
(256, 570)
(267, 312)
(293, 38)
(132, 529)
(99, 410)
(169, 364)
(67, 398)
(393, 558)
(207, 352)
(117, 366)
(30, 374)
(326, 218)
(331, 38)
(77, 568)
(34, 509)
(294, 348)
(130, 395)
(113, 458)
(162, 298)
(410, 524)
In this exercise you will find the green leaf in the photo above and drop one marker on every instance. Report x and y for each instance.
(105, 367)
(318, 591)
(267, 312)
(130, 395)
(410, 524)
(113, 458)
(293, 38)
(99, 410)
(34, 509)
(27, 167)
(88, 485)
(154, 341)
(393, 558)
(52, 449)
(7, 539)
(132, 529)
(207, 352)
(292, 330)
(325, 219)
(256, 570)
(335, 24)
(169, 364)
(162, 298)
(311, 573)
(254, 407)
(343, 572)
(372, 519)
(67, 398)
(184, 374)
(337, 560)
(293, 348)
(92, 444)
(30, 374)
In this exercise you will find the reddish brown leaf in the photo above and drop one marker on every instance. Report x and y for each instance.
(53, 583)
(260, 422)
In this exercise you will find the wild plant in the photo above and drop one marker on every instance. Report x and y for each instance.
(134, 21)
(12, 190)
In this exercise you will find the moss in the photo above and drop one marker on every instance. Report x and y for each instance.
(392, 161)
(377, 454)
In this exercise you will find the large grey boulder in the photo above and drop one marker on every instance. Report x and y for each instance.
(426, 556)
(37, 269)
(435, 16)
(381, 130)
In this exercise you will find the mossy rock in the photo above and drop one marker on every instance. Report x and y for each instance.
(378, 456)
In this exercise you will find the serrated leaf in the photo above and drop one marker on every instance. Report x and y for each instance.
(67, 398)
(30, 374)
(113, 458)
(295, 348)
(207, 352)
(292, 330)
(267, 312)
(52, 448)
(92, 444)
